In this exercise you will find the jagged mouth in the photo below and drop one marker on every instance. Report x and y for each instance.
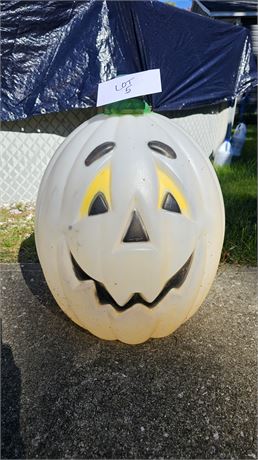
(105, 298)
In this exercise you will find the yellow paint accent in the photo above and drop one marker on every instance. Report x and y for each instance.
(101, 183)
(167, 185)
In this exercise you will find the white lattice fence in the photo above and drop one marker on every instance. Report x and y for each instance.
(26, 148)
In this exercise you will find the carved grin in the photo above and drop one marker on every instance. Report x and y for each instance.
(105, 298)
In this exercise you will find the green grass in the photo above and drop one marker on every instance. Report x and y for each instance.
(238, 183)
(17, 234)
(239, 187)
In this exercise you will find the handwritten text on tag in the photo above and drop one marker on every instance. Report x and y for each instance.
(128, 86)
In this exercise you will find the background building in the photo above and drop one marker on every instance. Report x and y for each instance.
(241, 12)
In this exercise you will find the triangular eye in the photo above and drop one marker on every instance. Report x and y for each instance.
(99, 205)
(170, 204)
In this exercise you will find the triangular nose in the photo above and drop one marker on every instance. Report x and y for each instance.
(136, 231)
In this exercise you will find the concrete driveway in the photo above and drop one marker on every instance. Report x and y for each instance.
(67, 394)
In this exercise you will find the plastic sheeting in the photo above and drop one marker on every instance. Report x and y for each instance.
(54, 54)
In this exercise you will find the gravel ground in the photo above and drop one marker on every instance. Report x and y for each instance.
(67, 394)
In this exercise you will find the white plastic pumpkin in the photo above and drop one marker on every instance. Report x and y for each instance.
(129, 226)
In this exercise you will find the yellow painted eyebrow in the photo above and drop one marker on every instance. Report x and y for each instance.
(167, 185)
(101, 183)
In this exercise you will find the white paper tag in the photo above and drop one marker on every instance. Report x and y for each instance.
(128, 86)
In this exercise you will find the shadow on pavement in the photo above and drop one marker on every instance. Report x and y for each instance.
(28, 251)
(29, 263)
(12, 443)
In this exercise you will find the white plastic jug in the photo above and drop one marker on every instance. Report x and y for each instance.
(223, 155)
(238, 139)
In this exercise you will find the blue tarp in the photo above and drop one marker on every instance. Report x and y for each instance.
(54, 54)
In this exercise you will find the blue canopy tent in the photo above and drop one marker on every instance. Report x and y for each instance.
(54, 54)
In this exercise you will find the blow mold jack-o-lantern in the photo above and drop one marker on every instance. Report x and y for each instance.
(129, 226)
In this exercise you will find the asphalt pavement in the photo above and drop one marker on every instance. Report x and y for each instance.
(68, 394)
